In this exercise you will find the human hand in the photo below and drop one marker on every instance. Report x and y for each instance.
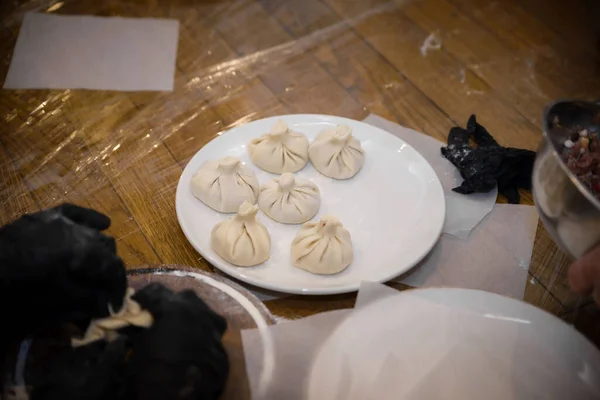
(584, 274)
(181, 355)
(92, 372)
(56, 266)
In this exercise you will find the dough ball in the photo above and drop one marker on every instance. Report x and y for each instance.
(323, 247)
(336, 153)
(225, 184)
(242, 239)
(289, 200)
(280, 150)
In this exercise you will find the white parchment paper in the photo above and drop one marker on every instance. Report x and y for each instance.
(408, 345)
(85, 52)
(495, 257)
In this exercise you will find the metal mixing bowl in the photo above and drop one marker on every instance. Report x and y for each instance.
(569, 211)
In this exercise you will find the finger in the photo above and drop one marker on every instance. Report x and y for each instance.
(191, 297)
(596, 295)
(200, 306)
(596, 288)
(153, 296)
(108, 279)
(100, 280)
(108, 242)
(585, 271)
(85, 216)
(115, 282)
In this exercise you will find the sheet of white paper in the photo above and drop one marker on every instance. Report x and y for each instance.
(85, 52)
(403, 345)
(295, 343)
(463, 213)
(495, 257)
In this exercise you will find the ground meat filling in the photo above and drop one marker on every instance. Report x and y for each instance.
(581, 153)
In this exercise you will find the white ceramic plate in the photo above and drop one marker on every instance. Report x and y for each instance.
(396, 348)
(394, 209)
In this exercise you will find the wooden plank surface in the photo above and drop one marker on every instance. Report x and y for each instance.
(241, 60)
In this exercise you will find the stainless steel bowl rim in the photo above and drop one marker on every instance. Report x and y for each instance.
(574, 179)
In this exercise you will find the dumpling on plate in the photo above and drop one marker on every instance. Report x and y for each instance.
(336, 153)
(225, 184)
(323, 247)
(281, 150)
(289, 200)
(242, 239)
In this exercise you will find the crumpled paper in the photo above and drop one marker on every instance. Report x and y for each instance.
(463, 213)
(407, 345)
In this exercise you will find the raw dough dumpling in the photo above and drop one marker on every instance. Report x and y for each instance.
(107, 328)
(289, 200)
(336, 153)
(280, 150)
(242, 240)
(225, 184)
(322, 247)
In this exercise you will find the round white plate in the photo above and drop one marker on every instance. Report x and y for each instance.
(399, 347)
(394, 209)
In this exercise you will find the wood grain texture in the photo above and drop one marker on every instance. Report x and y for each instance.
(241, 60)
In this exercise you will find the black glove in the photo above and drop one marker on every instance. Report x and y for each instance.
(488, 164)
(56, 266)
(92, 372)
(181, 356)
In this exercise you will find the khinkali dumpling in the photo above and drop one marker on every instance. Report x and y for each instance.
(336, 153)
(225, 184)
(289, 200)
(322, 247)
(242, 239)
(280, 150)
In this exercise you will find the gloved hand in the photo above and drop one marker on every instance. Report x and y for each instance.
(56, 266)
(92, 372)
(181, 356)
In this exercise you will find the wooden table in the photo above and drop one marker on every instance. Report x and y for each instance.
(240, 60)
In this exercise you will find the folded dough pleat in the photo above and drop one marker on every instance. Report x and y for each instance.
(289, 199)
(242, 240)
(322, 247)
(336, 153)
(281, 150)
(225, 184)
